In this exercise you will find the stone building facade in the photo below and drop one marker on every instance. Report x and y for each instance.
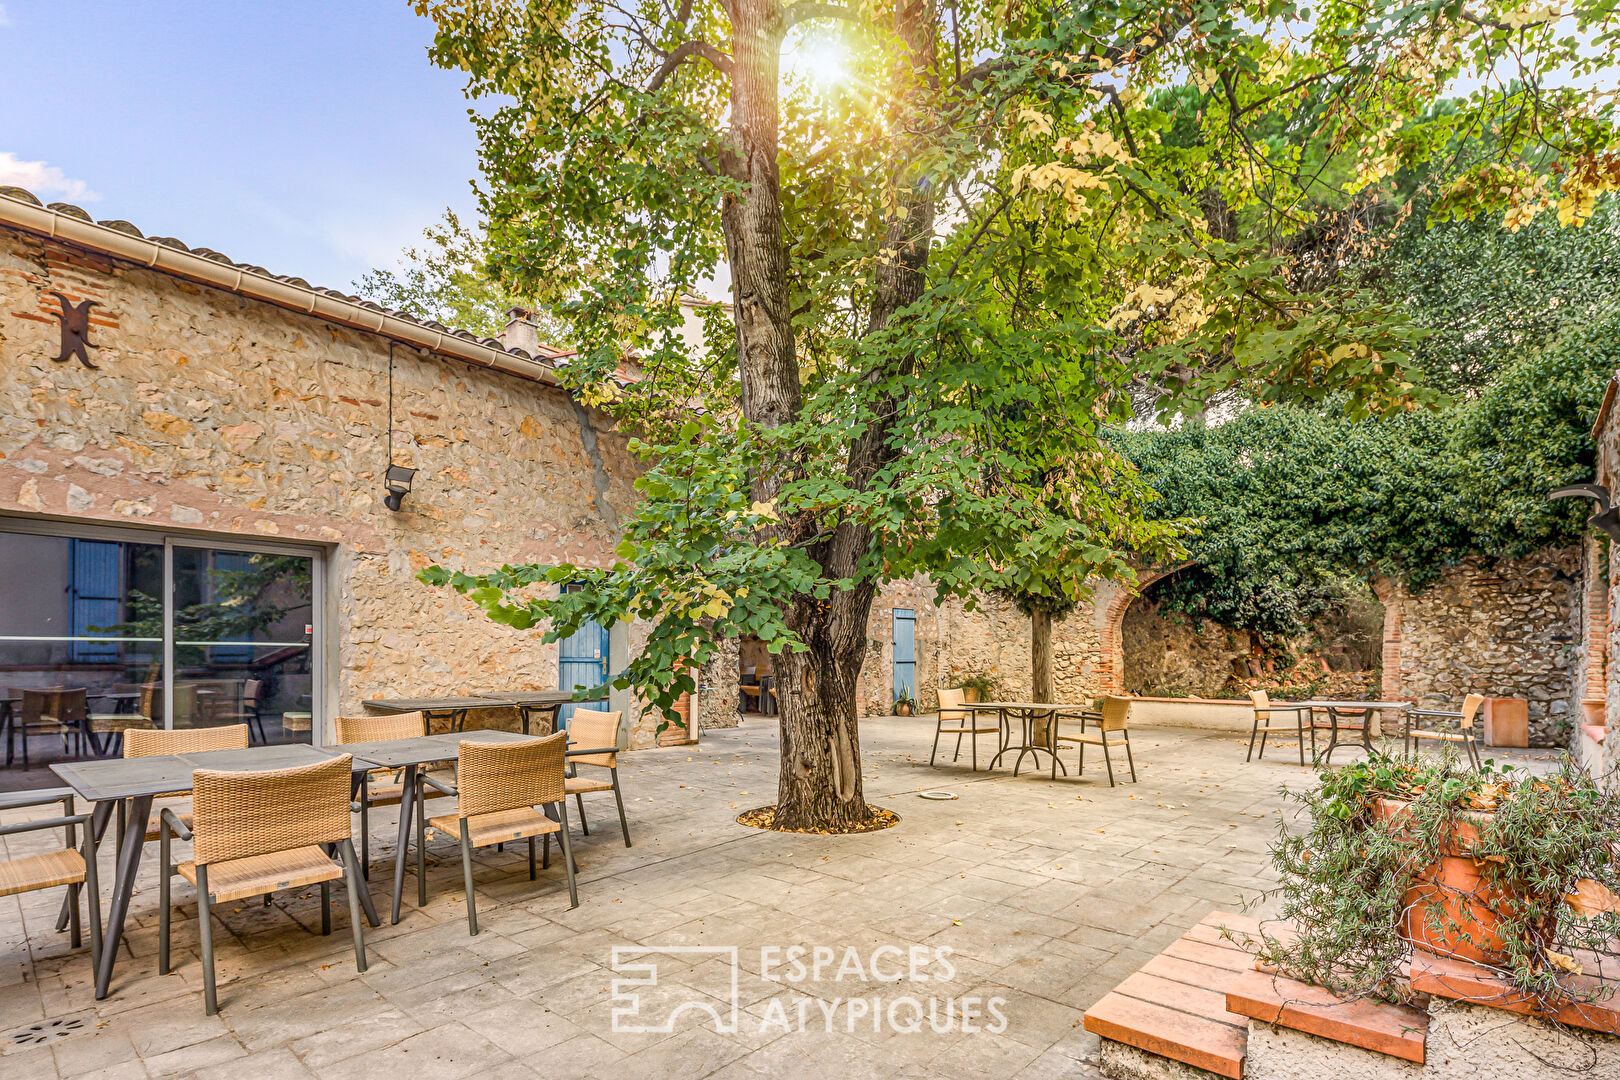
(218, 404)
(1595, 744)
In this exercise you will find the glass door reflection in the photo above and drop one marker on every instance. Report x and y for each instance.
(243, 635)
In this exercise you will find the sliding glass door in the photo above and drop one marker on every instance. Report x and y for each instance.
(105, 629)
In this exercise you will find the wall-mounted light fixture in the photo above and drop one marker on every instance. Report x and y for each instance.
(1606, 515)
(397, 481)
(397, 478)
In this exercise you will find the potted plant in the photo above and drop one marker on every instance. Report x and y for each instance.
(904, 703)
(1481, 866)
(979, 688)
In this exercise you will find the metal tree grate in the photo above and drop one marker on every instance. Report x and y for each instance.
(45, 1032)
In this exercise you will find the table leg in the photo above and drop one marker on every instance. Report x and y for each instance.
(129, 863)
(1003, 736)
(98, 826)
(407, 802)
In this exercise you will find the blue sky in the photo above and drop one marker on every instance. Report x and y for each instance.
(310, 138)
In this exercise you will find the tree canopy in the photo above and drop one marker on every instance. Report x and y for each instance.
(948, 267)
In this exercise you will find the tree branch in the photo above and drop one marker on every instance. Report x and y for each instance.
(684, 52)
(818, 9)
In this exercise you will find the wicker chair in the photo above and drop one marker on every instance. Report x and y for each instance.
(140, 742)
(590, 729)
(1461, 731)
(52, 868)
(245, 708)
(389, 792)
(112, 725)
(1112, 731)
(966, 723)
(1263, 708)
(53, 710)
(499, 786)
(254, 833)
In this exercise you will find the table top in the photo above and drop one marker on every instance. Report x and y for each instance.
(1344, 704)
(438, 704)
(1034, 706)
(531, 698)
(128, 778)
(422, 749)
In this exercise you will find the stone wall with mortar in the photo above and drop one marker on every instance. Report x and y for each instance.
(215, 414)
(1606, 434)
(1498, 627)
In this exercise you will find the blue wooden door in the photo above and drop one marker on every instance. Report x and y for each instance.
(97, 598)
(905, 652)
(582, 660)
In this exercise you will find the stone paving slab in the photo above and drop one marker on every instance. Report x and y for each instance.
(1029, 895)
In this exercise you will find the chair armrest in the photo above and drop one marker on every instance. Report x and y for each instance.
(44, 823)
(1444, 713)
(591, 750)
(13, 800)
(435, 784)
(172, 823)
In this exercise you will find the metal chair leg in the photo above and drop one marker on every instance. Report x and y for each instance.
(421, 842)
(579, 800)
(1129, 760)
(1254, 731)
(365, 833)
(351, 873)
(326, 908)
(568, 854)
(624, 823)
(931, 754)
(531, 859)
(545, 852)
(958, 753)
(205, 932)
(163, 899)
(75, 928)
(1108, 759)
(467, 878)
(93, 896)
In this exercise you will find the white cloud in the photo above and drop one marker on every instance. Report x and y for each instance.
(42, 179)
(5, 20)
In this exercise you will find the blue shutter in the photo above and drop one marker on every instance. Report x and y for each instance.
(582, 660)
(905, 651)
(97, 598)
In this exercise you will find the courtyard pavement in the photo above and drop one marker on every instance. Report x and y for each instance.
(987, 924)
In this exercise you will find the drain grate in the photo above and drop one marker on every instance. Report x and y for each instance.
(45, 1032)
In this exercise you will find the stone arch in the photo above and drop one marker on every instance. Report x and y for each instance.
(1113, 599)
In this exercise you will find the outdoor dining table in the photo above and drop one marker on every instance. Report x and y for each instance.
(534, 701)
(134, 783)
(454, 709)
(1028, 712)
(1335, 709)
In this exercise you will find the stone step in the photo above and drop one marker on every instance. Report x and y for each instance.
(1397, 1030)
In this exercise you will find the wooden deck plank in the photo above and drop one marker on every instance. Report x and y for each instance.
(1206, 1044)
(1197, 1000)
(1396, 1030)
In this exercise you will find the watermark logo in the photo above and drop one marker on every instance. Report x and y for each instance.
(816, 991)
(628, 1015)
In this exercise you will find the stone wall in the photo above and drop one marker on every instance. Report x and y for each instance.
(216, 414)
(1606, 433)
(1498, 627)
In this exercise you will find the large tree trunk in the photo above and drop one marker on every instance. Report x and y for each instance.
(820, 782)
(1040, 666)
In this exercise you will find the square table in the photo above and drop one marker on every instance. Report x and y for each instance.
(410, 755)
(537, 701)
(134, 783)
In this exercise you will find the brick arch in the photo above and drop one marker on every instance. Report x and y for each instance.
(1115, 599)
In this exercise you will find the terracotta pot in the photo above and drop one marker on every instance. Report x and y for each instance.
(902, 709)
(676, 734)
(1460, 892)
(970, 693)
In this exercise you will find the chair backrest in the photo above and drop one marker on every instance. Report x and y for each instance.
(61, 704)
(951, 701)
(353, 729)
(145, 742)
(250, 691)
(1470, 709)
(1116, 712)
(239, 814)
(491, 777)
(1262, 705)
(588, 728)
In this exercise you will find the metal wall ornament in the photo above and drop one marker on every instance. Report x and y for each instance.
(75, 321)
